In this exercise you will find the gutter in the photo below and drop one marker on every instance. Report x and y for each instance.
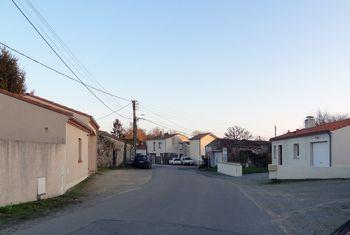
(330, 148)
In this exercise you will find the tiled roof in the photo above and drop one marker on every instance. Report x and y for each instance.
(22, 98)
(200, 136)
(163, 137)
(73, 121)
(93, 121)
(229, 142)
(323, 128)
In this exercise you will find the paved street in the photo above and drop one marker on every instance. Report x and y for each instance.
(176, 200)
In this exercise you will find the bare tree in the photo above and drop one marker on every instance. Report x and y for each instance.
(326, 117)
(155, 132)
(238, 133)
(118, 130)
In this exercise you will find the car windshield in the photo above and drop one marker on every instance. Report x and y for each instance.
(187, 158)
(176, 159)
(141, 158)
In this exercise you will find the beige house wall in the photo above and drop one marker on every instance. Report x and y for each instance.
(305, 155)
(195, 150)
(33, 123)
(76, 171)
(341, 147)
(204, 142)
(21, 163)
(86, 120)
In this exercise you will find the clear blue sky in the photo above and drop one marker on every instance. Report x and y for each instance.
(206, 65)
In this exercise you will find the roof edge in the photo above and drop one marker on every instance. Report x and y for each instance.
(298, 135)
(92, 120)
(22, 98)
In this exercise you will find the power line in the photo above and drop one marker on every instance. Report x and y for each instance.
(99, 90)
(115, 112)
(164, 126)
(166, 119)
(60, 57)
(86, 72)
(61, 73)
(75, 60)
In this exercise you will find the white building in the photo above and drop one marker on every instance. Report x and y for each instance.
(164, 147)
(321, 151)
(197, 146)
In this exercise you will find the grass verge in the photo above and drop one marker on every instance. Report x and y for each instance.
(211, 169)
(14, 213)
(252, 170)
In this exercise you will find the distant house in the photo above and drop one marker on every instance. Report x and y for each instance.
(141, 149)
(197, 146)
(164, 147)
(111, 151)
(45, 148)
(254, 153)
(317, 151)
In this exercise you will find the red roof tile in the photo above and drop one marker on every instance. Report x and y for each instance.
(323, 128)
(73, 121)
(22, 98)
(92, 120)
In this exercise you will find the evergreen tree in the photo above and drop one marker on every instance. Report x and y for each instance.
(118, 130)
(12, 78)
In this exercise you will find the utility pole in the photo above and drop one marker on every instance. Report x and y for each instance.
(134, 107)
(275, 130)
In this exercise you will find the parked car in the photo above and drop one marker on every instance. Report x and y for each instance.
(175, 161)
(142, 161)
(187, 161)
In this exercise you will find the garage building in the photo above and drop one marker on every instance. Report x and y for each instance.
(317, 151)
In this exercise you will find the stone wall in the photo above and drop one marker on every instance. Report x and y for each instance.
(109, 146)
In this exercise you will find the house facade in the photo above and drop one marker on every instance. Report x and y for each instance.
(164, 147)
(317, 151)
(250, 153)
(197, 146)
(44, 150)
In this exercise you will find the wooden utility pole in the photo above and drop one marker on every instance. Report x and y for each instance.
(134, 107)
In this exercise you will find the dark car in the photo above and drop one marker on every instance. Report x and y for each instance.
(142, 161)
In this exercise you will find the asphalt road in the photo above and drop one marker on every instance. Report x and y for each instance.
(177, 200)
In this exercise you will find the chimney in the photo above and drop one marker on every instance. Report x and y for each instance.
(310, 122)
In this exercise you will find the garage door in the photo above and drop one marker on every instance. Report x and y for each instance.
(218, 156)
(320, 154)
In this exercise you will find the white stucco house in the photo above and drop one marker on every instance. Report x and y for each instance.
(197, 146)
(164, 147)
(45, 148)
(315, 152)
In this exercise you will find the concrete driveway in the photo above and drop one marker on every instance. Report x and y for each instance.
(300, 207)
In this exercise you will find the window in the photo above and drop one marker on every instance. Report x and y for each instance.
(296, 151)
(274, 152)
(181, 146)
(160, 145)
(80, 151)
(154, 146)
(280, 151)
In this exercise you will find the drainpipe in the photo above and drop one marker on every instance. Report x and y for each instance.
(330, 148)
